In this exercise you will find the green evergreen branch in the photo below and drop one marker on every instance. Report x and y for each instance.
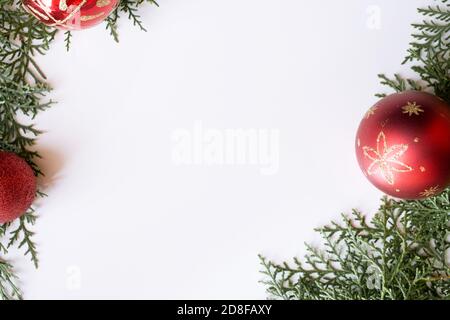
(23, 234)
(8, 287)
(22, 90)
(130, 8)
(111, 25)
(402, 252)
(68, 39)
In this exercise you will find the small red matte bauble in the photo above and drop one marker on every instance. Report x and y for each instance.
(17, 186)
(70, 14)
(403, 145)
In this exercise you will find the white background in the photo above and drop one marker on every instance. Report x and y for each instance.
(122, 221)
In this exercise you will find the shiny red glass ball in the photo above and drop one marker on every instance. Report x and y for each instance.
(70, 14)
(403, 145)
(17, 186)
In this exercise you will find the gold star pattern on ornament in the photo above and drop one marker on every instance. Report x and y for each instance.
(429, 192)
(386, 159)
(412, 108)
(371, 112)
(91, 17)
(102, 3)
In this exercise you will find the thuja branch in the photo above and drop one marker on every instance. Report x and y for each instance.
(402, 253)
(22, 89)
(399, 254)
(429, 53)
(130, 9)
(126, 8)
(8, 287)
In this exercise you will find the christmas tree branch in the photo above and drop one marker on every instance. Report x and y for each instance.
(402, 253)
(429, 54)
(127, 8)
(8, 287)
(130, 9)
(22, 89)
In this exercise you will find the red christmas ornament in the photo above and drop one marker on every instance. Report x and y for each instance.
(70, 14)
(403, 145)
(17, 186)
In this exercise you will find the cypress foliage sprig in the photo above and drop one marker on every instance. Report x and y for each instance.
(403, 252)
(8, 287)
(130, 9)
(399, 255)
(23, 91)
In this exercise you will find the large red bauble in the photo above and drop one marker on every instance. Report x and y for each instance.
(17, 186)
(70, 14)
(403, 145)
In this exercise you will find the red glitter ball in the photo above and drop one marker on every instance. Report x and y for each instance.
(17, 186)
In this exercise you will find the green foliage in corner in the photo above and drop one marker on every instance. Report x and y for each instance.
(403, 252)
(23, 90)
